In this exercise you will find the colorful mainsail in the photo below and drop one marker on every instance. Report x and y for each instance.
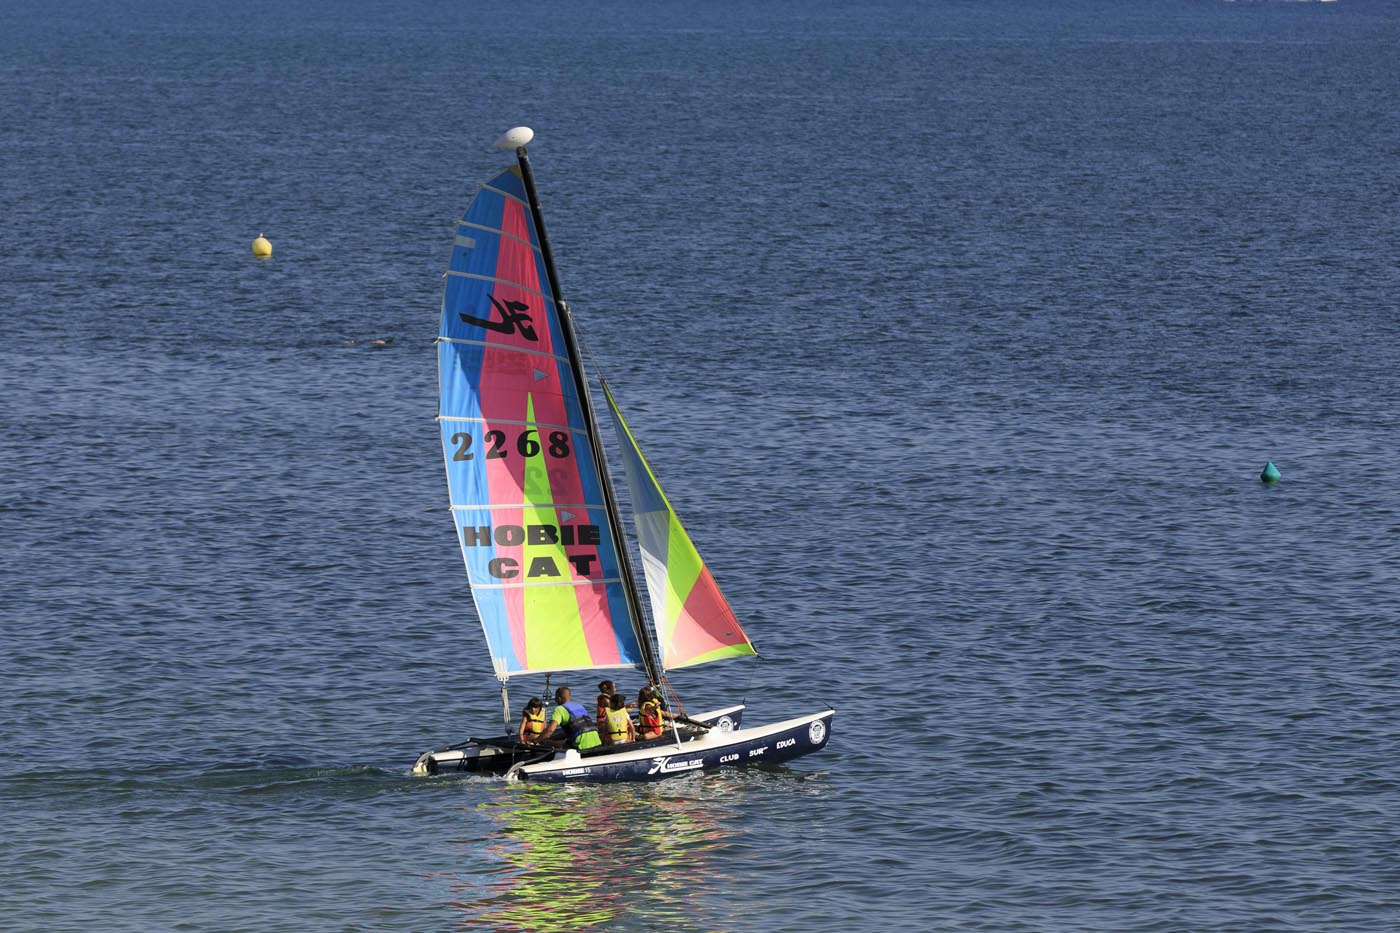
(525, 487)
(694, 623)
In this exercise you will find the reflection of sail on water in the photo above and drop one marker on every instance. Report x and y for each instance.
(538, 844)
(596, 861)
(694, 623)
(526, 491)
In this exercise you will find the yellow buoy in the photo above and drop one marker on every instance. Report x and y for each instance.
(262, 248)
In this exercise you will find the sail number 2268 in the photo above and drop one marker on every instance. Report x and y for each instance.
(527, 444)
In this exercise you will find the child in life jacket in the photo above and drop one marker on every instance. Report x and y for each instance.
(605, 691)
(604, 701)
(619, 729)
(650, 715)
(531, 722)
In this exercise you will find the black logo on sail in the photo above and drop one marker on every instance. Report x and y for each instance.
(513, 318)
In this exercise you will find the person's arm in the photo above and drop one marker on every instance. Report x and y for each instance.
(554, 720)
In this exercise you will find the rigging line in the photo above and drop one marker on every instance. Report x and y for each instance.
(744, 697)
(666, 681)
(586, 352)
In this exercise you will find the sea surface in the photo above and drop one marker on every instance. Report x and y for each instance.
(959, 333)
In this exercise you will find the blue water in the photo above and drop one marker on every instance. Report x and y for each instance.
(958, 332)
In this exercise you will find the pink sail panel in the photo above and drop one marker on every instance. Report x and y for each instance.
(706, 629)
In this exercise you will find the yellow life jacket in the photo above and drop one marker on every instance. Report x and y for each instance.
(534, 725)
(617, 724)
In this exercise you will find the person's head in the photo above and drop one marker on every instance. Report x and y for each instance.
(534, 705)
(562, 695)
(619, 701)
(645, 694)
(606, 687)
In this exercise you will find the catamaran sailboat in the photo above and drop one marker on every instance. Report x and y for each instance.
(539, 523)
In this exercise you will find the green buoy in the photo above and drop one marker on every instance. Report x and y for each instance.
(1271, 473)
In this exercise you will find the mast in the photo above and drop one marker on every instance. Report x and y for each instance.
(517, 138)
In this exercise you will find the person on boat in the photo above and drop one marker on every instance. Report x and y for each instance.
(605, 691)
(569, 723)
(617, 725)
(650, 716)
(532, 722)
(659, 694)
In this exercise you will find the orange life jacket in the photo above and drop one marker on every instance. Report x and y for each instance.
(534, 725)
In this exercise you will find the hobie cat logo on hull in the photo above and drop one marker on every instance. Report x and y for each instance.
(816, 732)
(513, 317)
(667, 766)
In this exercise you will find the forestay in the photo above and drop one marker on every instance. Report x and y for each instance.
(524, 484)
